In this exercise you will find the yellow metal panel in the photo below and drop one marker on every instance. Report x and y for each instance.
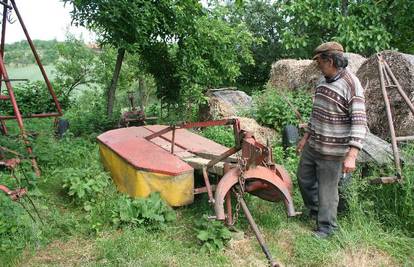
(176, 190)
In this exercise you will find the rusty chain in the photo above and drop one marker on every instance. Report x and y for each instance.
(241, 164)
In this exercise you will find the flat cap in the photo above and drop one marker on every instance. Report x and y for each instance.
(333, 47)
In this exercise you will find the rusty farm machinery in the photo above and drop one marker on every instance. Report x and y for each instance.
(159, 158)
(9, 96)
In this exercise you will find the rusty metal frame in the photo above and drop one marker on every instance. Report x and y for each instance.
(255, 173)
(388, 80)
(13, 194)
(11, 97)
(231, 178)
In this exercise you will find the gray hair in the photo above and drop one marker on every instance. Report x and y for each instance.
(339, 60)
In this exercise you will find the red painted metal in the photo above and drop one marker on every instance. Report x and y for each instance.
(229, 215)
(3, 31)
(271, 182)
(4, 77)
(201, 190)
(185, 139)
(255, 173)
(18, 116)
(13, 194)
(43, 115)
(10, 163)
(142, 154)
(276, 188)
(208, 186)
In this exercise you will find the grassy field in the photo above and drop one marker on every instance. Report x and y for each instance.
(72, 236)
(30, 72)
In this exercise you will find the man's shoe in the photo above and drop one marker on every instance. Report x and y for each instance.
(321, 234)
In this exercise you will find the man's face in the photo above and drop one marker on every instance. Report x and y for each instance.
(325, 65)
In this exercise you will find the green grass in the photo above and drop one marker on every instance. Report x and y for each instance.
(31, 72)
(70, 238)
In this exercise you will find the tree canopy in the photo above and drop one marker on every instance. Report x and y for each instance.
(189, 47)
(185, 47)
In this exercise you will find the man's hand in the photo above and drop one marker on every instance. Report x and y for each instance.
(302, 143)
(350, 159)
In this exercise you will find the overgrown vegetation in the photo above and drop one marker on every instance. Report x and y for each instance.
(212, 234)
(272, 107)
(173, 52)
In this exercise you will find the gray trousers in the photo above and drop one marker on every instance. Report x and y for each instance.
(318, 180)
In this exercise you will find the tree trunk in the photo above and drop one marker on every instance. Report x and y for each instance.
(344, 8)
(142, 93)
(114, 81)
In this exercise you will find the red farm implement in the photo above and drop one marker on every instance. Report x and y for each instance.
(157, 158)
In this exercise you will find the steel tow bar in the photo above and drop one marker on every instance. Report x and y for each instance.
(257, 233)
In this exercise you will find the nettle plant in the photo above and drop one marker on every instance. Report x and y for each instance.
(213, 235)
(84, 185)
(152, 212)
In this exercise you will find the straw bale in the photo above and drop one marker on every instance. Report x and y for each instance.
(285, 73)
(261, 133)
(224, 103)
(311, 74)
(402, 65)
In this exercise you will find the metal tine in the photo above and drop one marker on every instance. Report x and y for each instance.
(27, 195)
(400, 90)
(389, 116)
(387, 78)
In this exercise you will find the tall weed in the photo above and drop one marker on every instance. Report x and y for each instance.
(271, 108)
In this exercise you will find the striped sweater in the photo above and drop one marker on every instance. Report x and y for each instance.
(338, 118)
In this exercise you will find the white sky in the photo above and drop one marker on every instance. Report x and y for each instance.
(44, 20)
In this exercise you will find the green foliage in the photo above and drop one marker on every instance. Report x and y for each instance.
(120, 211)
(359, 26)
(184, 47)
(69, 152)
(76, 65)
(20, 54)
(33, 98)
(399, 21)
(393, 204)
(152, 211)
(87, 117)
(213, 235)
(84, 185)
(271, 108)
(15, 228)
(220, 134)
(212, 55)
(265, 22)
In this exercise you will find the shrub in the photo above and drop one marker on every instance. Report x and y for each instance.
(87, 116)
(212, 234)
(271, 108)
(33, 98)
(220, 134)
(58, 154)
(119, 211)
(84, 185)
(151, 211)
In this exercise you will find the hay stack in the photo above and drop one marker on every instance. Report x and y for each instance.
(286, 73)
(261, 133)
(311, 74)
(224, 103)
(402, 66)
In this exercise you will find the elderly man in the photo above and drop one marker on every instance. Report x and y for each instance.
(334, 136)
